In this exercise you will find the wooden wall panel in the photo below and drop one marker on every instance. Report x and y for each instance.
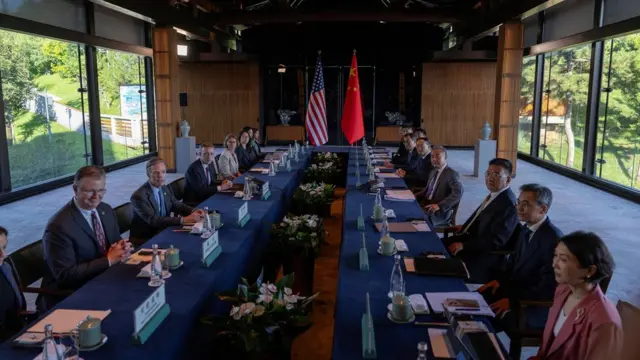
(457, 99)
(222, 98)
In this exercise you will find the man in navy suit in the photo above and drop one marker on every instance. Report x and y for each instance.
(490, 227)
(82, 239)
(416, 173)
(528, 273)
(11, 299)
(201, 177)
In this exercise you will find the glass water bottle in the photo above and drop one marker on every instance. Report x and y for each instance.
(156, 268)
(396, 284)
(50, 350)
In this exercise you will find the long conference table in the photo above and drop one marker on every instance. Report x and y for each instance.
(190, 288)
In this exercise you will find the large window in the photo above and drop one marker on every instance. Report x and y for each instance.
(43, 84)
(618, 139)
(123, 105)
(526, 104)
(564, 106)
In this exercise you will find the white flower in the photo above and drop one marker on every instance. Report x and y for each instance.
(289, 306)
(235, 312)
(288, 291)
(311, 223)
(265, 298)
(272, 288)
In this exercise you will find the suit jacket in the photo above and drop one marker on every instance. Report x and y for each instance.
(146, 222)
(228, 164)
(256, 148)
(12, 301)
(491, 230)
(196, 189)
(400, 154)
(447, 194)
(409, 161)
(592, 331)
(418, 171)
(72, 251)
(246, 158)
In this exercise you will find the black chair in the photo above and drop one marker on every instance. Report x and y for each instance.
(124, 214)
(30, 266)
(177, 186)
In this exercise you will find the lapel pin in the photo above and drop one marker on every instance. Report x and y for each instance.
(579, 313)
(102, 213)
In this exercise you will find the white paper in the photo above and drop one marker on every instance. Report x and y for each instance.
(387, 175)
(421, 226)
(440, 343)
(400, 195)
(64, 320)
(436, 300)
(401, 245)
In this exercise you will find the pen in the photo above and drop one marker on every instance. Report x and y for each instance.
(419, 323)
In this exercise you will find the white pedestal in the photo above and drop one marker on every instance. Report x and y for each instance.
(185, 153)
(485, 152)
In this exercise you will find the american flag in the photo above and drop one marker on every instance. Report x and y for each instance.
(316, 119)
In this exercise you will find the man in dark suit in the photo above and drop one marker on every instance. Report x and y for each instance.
(528, 273)
(490, 227)
(201, 177)
(417, 172)
(82, 239)
(11, 299)
(154, 204)
(443, 191)
(402, 150)
(411, 157)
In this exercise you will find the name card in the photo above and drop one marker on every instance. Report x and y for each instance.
(266, 192)
(145, 312)
(243, 214)
(209, 246)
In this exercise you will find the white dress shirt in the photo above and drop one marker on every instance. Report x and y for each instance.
(87, 215)
(536, 226)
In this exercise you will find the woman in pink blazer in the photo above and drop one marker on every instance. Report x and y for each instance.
(583, 324)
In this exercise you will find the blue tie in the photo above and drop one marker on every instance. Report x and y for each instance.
(6, 270)
(160, 200)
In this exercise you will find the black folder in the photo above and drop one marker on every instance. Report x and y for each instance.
(441, 267)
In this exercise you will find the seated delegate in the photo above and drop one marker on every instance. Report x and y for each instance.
(583, 324)
(11, 299)
(201, 177)
(228, 161)
(245, 153)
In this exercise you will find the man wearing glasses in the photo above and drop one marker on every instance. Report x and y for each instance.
(490, 227)
(82, 239)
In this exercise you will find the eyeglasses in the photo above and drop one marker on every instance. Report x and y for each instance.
(100, 192)
(493, 174)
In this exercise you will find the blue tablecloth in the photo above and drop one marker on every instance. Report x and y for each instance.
(393, 341)
(190, 289)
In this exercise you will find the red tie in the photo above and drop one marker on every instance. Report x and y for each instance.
(97, 227)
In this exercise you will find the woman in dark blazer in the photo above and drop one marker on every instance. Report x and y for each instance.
(246, 156)
(582, 324)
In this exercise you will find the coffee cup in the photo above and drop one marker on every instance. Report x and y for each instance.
(172, 257)
(90, 332)
(216, 219)
(401, 308)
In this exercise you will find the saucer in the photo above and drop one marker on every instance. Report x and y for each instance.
(103, 340)
(395, 251)
(177, 267)
(409, 320)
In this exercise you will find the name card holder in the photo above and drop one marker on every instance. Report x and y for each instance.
(266, 191)
(211, 249)
(360, 220)
(363, 255)
(149, 315)
(368, 335)
(243, 215)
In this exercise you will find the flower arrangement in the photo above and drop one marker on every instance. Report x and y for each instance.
(313, 198)
(325, 172)
(259, 310)
(326, 157)
(304, 232)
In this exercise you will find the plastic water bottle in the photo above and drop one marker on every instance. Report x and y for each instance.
(50, 349)
(247, 189)
(396, 284)
(207, 220)
(156, 268)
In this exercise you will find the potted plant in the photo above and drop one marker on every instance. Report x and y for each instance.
(313, 198)
(263, 321)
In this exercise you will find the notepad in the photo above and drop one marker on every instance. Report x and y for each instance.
(64, 320)
(440, 344)
(436, 300)
(388, 175)
(398, 227)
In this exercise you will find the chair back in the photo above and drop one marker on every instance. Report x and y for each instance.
(124, 214)
(29, 263)
(177, 186)
(630, 316)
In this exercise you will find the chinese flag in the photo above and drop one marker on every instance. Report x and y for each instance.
(352, 122)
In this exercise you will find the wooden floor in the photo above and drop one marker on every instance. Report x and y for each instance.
(317, 343)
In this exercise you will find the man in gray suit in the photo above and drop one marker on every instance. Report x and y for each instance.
(82, 239)
(154, 203)
(444, 189)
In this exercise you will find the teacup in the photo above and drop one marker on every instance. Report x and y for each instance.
(90, 332)
(401, 308)
(216, 219)
(172, 257)
(387, 245)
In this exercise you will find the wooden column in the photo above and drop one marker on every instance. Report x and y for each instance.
(507, 95)
(165, 60)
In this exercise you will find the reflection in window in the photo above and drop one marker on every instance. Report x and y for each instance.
(43, 84)
(526, 104)
(618, 139)
(123, 105)
(564, 106)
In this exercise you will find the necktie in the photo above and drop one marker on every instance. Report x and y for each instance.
(160, 200)
(97, 228)
(207, 173)
(431, 187)
(526, 236)
(8, 274)
(475, 216)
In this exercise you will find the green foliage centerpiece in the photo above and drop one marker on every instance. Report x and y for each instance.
(313, 198)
